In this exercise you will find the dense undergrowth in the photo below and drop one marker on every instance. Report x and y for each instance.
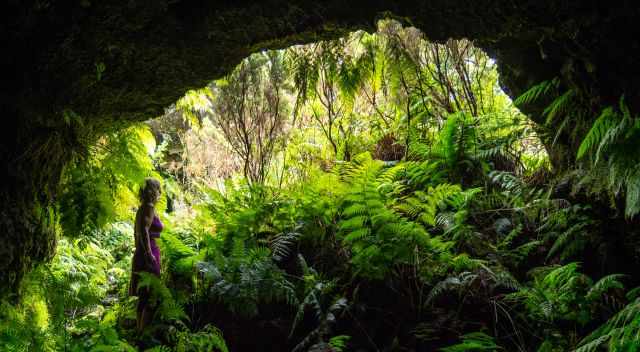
(379, 196)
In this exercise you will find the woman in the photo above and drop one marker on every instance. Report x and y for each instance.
(146, 257)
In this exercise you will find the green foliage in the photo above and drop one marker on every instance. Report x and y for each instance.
(538, 91)
(253, 214)
(246, 279)
(378, 237)
(562, 293)
(456, 145)
(207, 339)
(62, 304)
(475, 341)
(117, 239)
(607, 120)
(180, 258)
(88, 206)
(318, 298)
(339, 343)
(25, 328)
(489, 279)
(282, 244)
(426, 205)
(571, 229)
(97, 335)
(97, 189)
(620, 333)
(614, 169)
(168, 309)
(560, 105)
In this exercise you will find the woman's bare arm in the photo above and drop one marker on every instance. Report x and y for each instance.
(147, 219)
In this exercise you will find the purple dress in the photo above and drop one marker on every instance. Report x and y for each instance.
(139, 261)
(154, 232)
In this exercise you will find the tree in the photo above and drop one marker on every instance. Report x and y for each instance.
(327, 81)
(250, 107)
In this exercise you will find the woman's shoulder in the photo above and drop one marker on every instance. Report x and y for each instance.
(147, 210)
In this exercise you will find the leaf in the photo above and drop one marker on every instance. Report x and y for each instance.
(594, 137)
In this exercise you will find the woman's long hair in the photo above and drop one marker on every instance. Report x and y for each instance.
(149, 191)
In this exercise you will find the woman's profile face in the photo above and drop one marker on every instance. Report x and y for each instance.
(158, 193)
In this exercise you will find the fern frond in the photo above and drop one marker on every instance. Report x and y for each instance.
(354, 223)
(475, 341)
(281, 245)
(603, 285)
(357, 235)
(620, 333)
(605, 122)
(537, 92)
(560, 105)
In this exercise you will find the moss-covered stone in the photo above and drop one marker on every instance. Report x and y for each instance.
(77, 68)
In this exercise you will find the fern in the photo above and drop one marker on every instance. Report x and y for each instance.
(613, 169)
(562, 293)
(537, 92)
(603, 124)
(456, 145)
(180, 257)
(339, 343)
(246, 279)
(560, 105)
(168, 308)
(378, 236)
(281, 245)
(109, 175)
(468, 281)
(475, 341)
(324, 307)
(620, 333)
(603, 285)
(425, 205)
(207, 339)
(571, 240)
(63, 298)
(159, 349)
